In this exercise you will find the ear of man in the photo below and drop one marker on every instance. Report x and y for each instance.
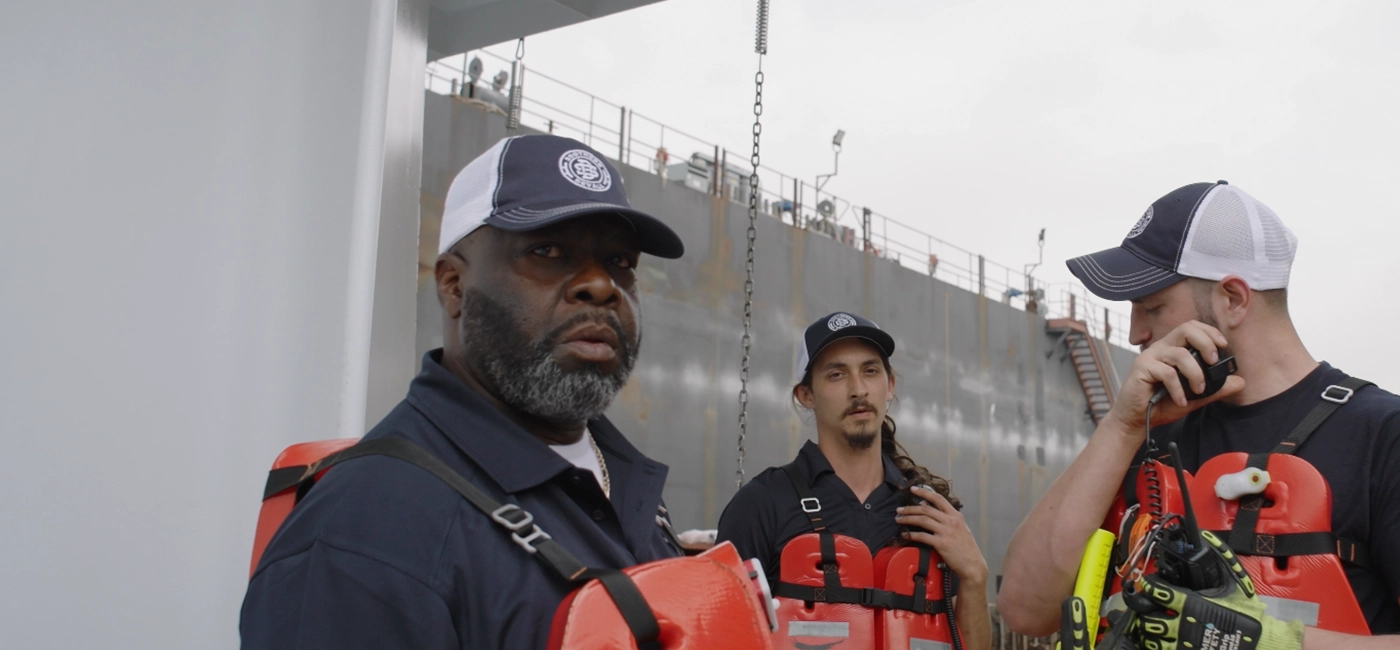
(447, 274)
(452, 271)
(1230, 300)
(803, 395)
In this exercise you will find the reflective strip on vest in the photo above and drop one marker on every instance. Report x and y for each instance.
(1287, 609)
(818, 628)
(925, 644)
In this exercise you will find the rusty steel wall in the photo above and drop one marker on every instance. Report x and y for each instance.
(979, 401)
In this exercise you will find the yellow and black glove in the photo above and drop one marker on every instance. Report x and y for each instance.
(1227, 617)
(1074, 628)
(1074, 625)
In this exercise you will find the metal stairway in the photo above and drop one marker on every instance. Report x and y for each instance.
(1090, 363)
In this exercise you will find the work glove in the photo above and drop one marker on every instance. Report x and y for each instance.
(1074, 625)
(1230, 616)
(1121, 633)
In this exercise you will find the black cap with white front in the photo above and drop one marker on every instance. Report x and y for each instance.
(1202, 230)
(840, 325)
(531, 181)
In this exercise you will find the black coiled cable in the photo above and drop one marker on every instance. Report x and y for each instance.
(1154, 491)
(948, 598)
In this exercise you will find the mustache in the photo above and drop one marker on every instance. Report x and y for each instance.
(860, 404)
(627, 343)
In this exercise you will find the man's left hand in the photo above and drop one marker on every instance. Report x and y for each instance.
(947, 533)
(1229, 616)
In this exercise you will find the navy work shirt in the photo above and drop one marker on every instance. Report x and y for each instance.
(1357, 450)
(382, 554)
(766, 513)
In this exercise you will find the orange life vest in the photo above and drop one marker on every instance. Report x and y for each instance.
(1283, 535)
(830, 591)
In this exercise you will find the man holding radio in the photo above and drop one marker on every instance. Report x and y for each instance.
(1206, 269)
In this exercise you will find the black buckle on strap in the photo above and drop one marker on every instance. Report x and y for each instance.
(870, 597)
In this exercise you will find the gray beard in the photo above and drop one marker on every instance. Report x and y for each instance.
(525, 374)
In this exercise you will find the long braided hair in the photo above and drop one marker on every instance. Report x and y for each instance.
(914, 473)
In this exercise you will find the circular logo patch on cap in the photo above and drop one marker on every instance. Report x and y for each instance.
(585, 170)
(1141, 224)
(841, 321)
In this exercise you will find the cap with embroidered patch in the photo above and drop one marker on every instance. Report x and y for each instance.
(840, 325)
(531, 181)
(1202, 230)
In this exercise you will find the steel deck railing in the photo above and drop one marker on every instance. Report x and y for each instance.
(642, 142)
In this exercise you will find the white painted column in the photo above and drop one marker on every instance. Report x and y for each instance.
(193, 274)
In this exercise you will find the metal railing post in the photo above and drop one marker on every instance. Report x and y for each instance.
(714, 173)
(981, 275)
(592, 101)
(724, 174)
(865, 228)
(796, 201)
(621, 135)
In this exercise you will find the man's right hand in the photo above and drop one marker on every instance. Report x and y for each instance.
(1157, 366)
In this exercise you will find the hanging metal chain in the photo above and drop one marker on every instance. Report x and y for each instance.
(761, 48)
(517, 87)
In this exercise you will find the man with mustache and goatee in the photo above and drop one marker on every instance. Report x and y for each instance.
(537, 280)
(857, 480)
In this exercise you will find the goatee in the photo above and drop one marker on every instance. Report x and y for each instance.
(860, 441)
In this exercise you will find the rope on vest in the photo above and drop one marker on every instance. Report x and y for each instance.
(760, 47)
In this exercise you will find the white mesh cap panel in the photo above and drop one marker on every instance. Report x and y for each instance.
(472, 196)
(1222, 228)
(1279, 242)
(1233, 234)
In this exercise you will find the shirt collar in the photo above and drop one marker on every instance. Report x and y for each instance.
(511, 456)
(814, 463)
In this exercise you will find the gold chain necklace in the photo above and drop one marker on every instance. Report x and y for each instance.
(602, 464)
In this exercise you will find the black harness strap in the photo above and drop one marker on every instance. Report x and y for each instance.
(1242, 537)
(1317, 543)
(865, 597)
(519, 523)
(811, 505)
(283, 478)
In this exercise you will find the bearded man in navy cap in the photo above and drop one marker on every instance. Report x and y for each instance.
(1206, 267)
(537, 278)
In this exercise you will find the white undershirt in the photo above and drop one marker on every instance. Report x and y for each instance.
(581, 455)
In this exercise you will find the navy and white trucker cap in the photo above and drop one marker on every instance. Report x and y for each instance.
(840, 325)
(531, 181)
(1202, 230)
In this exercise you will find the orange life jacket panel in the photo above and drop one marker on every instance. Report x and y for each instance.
(700, 602)
(281, 495)
(815, 622)
(1308, 586)
(914, 573)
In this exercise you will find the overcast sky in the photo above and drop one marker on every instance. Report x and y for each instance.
(982, 122)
